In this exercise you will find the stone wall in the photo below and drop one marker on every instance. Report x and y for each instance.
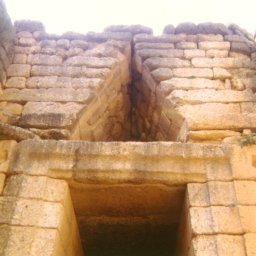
(195, 83)
(6, 44)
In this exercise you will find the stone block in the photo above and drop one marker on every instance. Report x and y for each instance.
(207, 45)
(250, 243)
(209, 37)
(193, 72)
(10, 112)
(204, 245)
(16, 241)
(186, 28)
(79, 44)
(245, 192)
(25, 41)
(161, 74)
(159, 39)
(241, 47)
(43, 59)
(52, 94)
(19, 70)
(189, 54)
(229, 245)
(63, 43)
(186, 45)
(189, 84)
(156, 62)
(199, 227)
(225, 189)
(181, 97)
(16, 82)
(226, 220)
(146, 45)
(247, 216)
(50, 114)
(212, 28)
(92, 62)
(198, 195)
(163, 53)
(221, 73)
(213, 53)
(69, 71)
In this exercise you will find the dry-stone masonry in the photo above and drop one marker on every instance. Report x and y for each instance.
(126, 143)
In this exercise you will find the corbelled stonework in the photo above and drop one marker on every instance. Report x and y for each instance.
(126, 143)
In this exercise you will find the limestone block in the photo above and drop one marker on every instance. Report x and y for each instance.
(63, 43)
(159, 39)
(6, 149)
(198, 195)
(249, 82)
(186, 28)
(221, 73)
(193, 72)
(48, 43)
(154, 46)
(189, 54)
(2, 181)
(49, 114)
(209, 37)
(229, 245)
(211, 135)
(64, 82)
(176, 83)
(181, 97)
(69, 71)
(10, 112)
(250, 242)
(245, 192)
(197, 214)
(40, 187)
(79, 44)
(55, 134)
(25, 41)
(204, 245)
(25, 34)
(16, 241)
(225, 189)
(51, 94)
(42, 59)
(19, 70)
(218, 62)
(247, 215)
(207, 45)
(16, 82)
(92, 62)
(156, 62)
(161, 74)
(241, 47)
(212, 28)
(213, 53)
(226, 220)
(169, 53)
(20, 58)
(169, 29)
(186, 45)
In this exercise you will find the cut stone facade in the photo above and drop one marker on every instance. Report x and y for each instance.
(126, 143)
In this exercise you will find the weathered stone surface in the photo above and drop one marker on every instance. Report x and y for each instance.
(19, 70)
(209, 37)
(69, 71)
(161, 74)
(204, 245)
(63, 43)
(159, 39)
(213, 53)
(189, 54)
(79, 44)
(190, 84)
(51, 94)
(170, 53)
(52, 134)
(10, 112)
(241, 48)
(193, 72)
(134, 29)
(2, 181)
(245, 192)
(49, 114)
(211, 135)
(63, 82)
(41, 59)
(16, 82)
(212, 28)
(250, 242)
(20, 59)
(221, 73)
(92, 62)
(248, 221)
(154, 46)
(153, 63)
(6, 149)
(26, 41)
(186, 45)
(206, 45)
(169, 29)
(27, 25)
(186, 28)
(198, 195)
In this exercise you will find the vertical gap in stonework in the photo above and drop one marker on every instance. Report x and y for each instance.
(135, 76)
